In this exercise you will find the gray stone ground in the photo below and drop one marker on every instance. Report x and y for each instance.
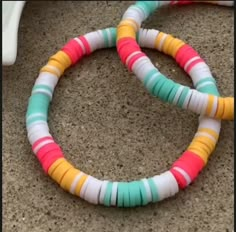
(109, 126)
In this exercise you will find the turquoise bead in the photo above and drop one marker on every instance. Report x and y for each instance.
(120, 193)
(205, 80)
(158, 86)
(35, 119)
(173, 93)
(45, 87)
(211, 89)
(134, 194)
(126, 199)
(105, 37)
(166, 90)
(182, 97)
(113, 36)
(107, 198)
(153, 190)
(144, 199)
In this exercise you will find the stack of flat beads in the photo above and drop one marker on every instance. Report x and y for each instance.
(156, 83)
(121, 194)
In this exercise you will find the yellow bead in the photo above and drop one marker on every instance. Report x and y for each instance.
(210, 104)
(55, 165)
(125, 31)
(200, 152)
(68, 179)
(228, 113)
(158, 40)
(168, 40)
(63, 58)
(60, 171)
(50, 70)
(129, 22)
(80, 184)
(210, 132)
(176, 46)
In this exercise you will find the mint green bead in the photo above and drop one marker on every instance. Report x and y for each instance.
(32, 110)
(209, 90)
(35, 119)
(205, 80)
(134, 194)
(166, 90)
(151, 80)
(123, 199)
(113, 36)
(183, 96)
(153, 190)
(144, 200)
(45, 87)
(145, 8)
(120, 194)
(126, 199)
(149, 75)
(105, 37)
(107, 198)
(173, 93)
(152, 5)
(40, 97)
(158, 86)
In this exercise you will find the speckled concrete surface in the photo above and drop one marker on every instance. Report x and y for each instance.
(110, 127)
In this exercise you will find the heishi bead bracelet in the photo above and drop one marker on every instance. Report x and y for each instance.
(122, 194)
(156, 83)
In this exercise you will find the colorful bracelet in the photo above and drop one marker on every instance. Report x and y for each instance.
(156, 83)
(121, 194)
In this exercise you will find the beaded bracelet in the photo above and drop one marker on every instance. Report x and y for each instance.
(156, 83)
(121, 194)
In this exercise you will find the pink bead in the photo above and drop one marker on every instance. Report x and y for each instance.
(184, 54)
(191, 163)
(45, 149)
(193, 64)
(51, 158)
(126, 47)
(179, 178)
(41, 140)
(86, 44)
(134, 59)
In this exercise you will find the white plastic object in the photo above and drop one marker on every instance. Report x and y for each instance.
(11, 13)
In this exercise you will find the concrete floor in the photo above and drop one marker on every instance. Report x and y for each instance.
(110, 127)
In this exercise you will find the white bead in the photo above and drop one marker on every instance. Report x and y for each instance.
(92, 191)
(141, 67)
(186, 101)
(166, 184)
(75, 182)
(193, 104)
(36, 135)
(46, 78)
(93, 39)
(199, 72)
(210, 123)
(114, 193)
(103, 191)
(226, 3)
(84, 187)
(177, 95)
(148, 190)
